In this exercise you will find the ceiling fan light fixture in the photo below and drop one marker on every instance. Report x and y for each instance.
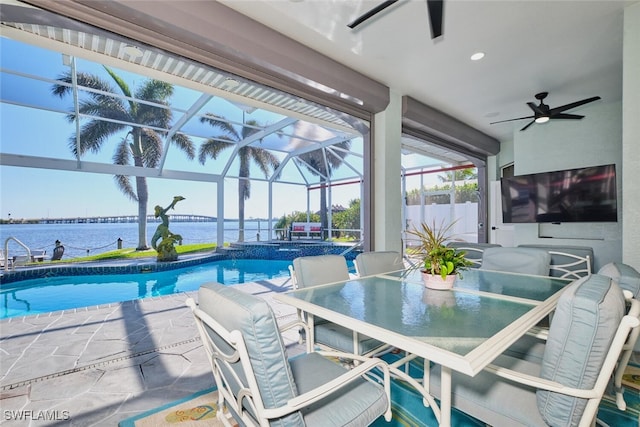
(542, 113)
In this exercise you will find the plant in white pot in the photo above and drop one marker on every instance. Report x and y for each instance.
(440, 264)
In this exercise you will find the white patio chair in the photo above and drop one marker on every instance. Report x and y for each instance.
(516, 260)
(260, 386)
(586, 340)
(474, 251)
(569, 262)
(378, 262)
(317, 270)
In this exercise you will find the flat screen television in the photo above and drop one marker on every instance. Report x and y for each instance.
(576, 195)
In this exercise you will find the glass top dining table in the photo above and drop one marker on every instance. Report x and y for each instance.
(462, 329)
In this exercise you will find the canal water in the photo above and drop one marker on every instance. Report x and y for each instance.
(90, 238)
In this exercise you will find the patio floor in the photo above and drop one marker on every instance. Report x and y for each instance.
(100, 365)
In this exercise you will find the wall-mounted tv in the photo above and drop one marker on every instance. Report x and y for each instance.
(575, 195)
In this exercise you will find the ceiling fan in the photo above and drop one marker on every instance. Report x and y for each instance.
(542, 113)
(435, 8)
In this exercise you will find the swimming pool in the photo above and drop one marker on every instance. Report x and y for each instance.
(44, 295)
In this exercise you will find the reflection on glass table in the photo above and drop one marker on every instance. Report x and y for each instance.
(463, 329)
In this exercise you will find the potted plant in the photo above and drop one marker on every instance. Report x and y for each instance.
(440, 264)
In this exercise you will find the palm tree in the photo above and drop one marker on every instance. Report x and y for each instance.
(323, 165)
(141, 145)
(264, 159)
(459, 175)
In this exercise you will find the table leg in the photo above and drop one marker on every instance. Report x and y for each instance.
(445, 397)
(311, 339)
(426, 369)
(396, 370)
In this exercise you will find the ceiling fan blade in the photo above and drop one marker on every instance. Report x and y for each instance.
(566, 107)
(529, 124)
(382, 6)
(511, 120)
(536, 108)
(566, 116)
(436, 9)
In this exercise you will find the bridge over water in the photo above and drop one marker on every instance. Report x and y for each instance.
(119, 219)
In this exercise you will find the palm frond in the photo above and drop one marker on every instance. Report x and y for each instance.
(122, 156)
(92, 135)
(251, 127)
(265, 160)
(185, 144)
(83, 79)
(124, 185)
(213, 147)
(151, 115)
(155, 90)
(220, 123)
(124, 87)
(151, 147)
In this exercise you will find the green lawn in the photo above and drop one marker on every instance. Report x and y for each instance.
(131, 253)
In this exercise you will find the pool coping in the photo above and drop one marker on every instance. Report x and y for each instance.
(271, 250)
(143, 265)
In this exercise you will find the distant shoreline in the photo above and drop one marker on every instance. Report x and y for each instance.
(122, 219)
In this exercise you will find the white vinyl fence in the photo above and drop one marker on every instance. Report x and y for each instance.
(466, 227)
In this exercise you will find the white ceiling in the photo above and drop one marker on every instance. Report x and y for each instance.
(571, 49)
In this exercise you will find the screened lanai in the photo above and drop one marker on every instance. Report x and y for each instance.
(314, 147)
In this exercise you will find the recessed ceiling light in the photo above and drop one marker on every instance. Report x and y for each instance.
(230, 83)
(132, 51)
(477, 56)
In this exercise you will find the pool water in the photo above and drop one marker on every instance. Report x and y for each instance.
(66, 292)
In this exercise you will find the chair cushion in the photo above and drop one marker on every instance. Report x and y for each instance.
(585, 322)
(377, 262)
(253, 317)
(517, 260)
(528, 348)
(321, 269)
(628, 278)
(358, 404)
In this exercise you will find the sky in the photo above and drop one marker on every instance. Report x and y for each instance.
(27, 193)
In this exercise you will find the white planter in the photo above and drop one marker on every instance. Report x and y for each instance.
(433, 298)
(435, 281)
